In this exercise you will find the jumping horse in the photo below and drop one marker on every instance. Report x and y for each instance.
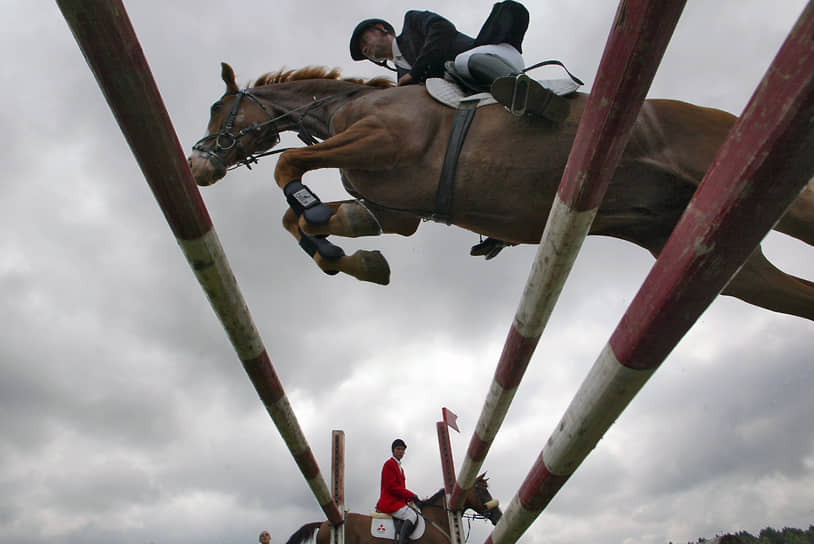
(358, 526)
(389, 145)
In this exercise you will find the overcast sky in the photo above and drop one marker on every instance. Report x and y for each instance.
(126, 417)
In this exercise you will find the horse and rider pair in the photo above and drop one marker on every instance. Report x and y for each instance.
(390, 161)
(394, 501)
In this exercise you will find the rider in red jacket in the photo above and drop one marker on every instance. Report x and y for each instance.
(395, 495)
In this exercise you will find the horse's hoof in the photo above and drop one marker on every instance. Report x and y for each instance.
(373, 267)
(354, 220)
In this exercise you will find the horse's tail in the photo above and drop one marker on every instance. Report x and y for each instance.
(305, 534)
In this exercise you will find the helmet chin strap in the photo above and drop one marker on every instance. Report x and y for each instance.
(383, 64)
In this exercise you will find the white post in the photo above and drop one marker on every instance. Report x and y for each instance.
(338, 483)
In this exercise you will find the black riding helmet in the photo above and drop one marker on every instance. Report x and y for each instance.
(355, 50)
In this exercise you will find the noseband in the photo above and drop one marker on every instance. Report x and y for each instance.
(225, 140)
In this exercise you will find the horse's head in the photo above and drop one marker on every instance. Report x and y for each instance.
(480, 500)
(239, 126)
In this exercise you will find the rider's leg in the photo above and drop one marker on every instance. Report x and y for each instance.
(410, 519)
(499, 67)
(404, 534)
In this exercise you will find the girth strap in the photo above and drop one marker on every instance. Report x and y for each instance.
(446, 183)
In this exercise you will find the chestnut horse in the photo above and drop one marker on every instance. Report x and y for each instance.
(358, 526)
(389, 143)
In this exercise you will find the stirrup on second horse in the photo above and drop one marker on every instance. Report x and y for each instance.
(521, 95)
(303, 200)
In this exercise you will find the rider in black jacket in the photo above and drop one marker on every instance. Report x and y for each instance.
(429, 44)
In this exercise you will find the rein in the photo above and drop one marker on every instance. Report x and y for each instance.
(431, 522)
(442, 506)
(225, 140)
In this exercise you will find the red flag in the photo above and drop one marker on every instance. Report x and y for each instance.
(450, 418)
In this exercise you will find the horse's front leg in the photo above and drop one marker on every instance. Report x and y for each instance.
(363, 265)
(359, 147)
(365, 146)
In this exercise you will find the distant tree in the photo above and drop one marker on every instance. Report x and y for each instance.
(768, 535)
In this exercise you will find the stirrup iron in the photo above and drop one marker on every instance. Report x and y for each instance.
(517, 109)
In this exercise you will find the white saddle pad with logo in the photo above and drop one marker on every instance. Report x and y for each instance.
(450, 94)
(383, 527)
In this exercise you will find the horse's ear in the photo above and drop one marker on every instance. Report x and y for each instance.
(228, 76)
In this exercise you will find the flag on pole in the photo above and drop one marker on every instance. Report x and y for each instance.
(450, 418)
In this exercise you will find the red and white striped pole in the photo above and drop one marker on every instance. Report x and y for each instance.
(766, 161)
(638, 38)
(106, 37)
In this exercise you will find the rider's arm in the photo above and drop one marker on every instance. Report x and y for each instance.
(437, 34)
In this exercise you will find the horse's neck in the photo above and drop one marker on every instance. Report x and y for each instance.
(436, 512)
(313, 102)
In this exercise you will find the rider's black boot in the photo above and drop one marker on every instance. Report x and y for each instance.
(518, 92)
(404, 533)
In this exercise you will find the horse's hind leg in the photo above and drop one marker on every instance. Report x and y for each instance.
(798, 221)
(351, 218)
(760, 283)
(363, 265)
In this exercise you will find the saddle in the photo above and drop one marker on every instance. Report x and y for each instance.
(466, 96)
(454, 91)
(455, 88)
(384, 526)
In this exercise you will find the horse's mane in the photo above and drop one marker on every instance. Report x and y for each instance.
(317, 72)
(435, 496)
(304, 533)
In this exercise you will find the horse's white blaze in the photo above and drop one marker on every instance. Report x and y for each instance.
(201, 167)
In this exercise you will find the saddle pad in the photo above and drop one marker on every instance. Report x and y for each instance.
(383, 528)
(450, 94)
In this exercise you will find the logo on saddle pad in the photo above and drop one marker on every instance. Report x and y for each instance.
(383, 527)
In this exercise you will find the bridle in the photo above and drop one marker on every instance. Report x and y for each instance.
(469, 517)
(225, 140)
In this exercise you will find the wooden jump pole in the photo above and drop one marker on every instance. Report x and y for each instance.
(110, 46)
(638, 38)
(766, 161)
(338, 482)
